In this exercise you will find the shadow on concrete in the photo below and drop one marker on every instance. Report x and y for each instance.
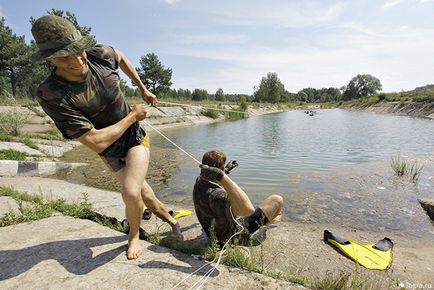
(194, 264)
(74, 255)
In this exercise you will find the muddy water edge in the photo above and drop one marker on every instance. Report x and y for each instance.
(162, 164)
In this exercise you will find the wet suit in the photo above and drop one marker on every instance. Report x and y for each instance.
(212, 203)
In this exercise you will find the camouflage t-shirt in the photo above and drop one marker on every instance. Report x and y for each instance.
(212, 202)
(97, 102)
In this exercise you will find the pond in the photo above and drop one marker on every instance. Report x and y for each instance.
(333, 167)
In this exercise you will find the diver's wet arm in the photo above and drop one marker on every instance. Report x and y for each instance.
(99, 139)
(128, 68)
(240, 202)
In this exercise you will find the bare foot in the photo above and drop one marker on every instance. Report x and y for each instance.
(176, 231)
(134, 249)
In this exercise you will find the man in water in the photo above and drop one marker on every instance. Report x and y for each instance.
(217, 197)
(83, 97)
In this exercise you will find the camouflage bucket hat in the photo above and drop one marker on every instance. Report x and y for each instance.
(56, 37)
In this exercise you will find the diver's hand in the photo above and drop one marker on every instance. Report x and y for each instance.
(230, 165)
(211, 173)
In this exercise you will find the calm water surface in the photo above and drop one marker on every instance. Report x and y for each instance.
(332, 167)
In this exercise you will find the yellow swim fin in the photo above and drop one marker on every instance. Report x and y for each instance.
(179, 213)
(372, 256)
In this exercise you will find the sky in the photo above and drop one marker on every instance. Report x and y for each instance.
(233, 44)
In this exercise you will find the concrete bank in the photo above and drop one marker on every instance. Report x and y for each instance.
(412, 109)
(67, 253)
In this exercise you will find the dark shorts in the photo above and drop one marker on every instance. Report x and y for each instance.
(253, 222)
(115, 163)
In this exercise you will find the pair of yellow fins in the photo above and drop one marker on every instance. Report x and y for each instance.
(372, 256)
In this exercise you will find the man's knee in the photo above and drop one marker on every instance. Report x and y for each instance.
(277, 199)
(131, 193)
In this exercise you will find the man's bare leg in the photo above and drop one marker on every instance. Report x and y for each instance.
(131, 177)
(158, 208)
(272, 208)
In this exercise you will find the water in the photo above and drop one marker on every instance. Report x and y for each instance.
(331, 167)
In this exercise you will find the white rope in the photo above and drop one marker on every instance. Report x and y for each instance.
(173, 143)
(209, 108)
(208, 274)
(213, 268)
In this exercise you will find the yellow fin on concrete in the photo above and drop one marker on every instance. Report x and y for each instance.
(372, 256)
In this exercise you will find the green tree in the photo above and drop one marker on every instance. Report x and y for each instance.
(199, 95)
(184, 94)
(271, 89)
(85, 30)
(15, 58)
(243, 103)
(361, 86)
(153, 74)
(219, 95)
(126, 90)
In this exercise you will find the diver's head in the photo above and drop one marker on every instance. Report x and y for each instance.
(214, 158)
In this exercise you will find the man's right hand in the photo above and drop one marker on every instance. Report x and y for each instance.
(211, 173)
(139, 112)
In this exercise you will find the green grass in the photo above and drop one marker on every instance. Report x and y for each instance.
(35, 208)
(28, 142)
(332, 282)
(9, 100)
(406, 168)
(398, 165)
(10, 154)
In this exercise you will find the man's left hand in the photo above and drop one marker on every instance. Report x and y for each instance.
(150, 98)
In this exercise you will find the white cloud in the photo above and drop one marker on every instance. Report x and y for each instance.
(391, 55)
(404, 27)
(426, 1)
(206, 39)
(391, 3)
(292, 14)
(171, 2)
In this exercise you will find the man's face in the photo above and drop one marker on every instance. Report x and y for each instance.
(72, 67)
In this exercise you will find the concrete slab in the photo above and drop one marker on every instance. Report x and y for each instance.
(60, 189)
(55, 151)
(67, 253)
(20, 147)
(8, 167)
(34, 168)
(8, 204)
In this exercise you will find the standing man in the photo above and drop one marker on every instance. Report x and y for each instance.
(217, 197)
(83, 97)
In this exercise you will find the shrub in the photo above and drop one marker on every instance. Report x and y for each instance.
(211, 113)
(11, 121)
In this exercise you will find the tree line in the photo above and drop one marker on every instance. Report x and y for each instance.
(20, 76)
